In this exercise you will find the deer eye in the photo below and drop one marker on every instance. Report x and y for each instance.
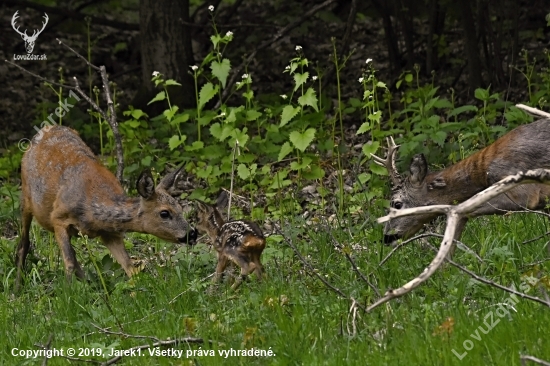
(397, 205)
(165, 214)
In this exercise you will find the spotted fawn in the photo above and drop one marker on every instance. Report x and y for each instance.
(239, 241)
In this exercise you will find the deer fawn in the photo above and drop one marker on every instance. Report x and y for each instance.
(240, 241)
(524, 148)
(67, 190)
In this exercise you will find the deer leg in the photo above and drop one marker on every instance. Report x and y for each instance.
(259, 268)
(220, 267)
(67, 251)
(115, 244)
(23, 247)
(246, 268)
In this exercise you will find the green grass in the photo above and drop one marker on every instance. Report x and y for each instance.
(291, 313)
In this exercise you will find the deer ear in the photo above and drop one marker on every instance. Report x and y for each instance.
(170, 179)
(201, 206)
(418, 169)
(145, 184)
(438, 182)
(223, 199)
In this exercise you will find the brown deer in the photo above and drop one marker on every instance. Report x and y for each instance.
(68, 191)
(239, 241)
(524, 148)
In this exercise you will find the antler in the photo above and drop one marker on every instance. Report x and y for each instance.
(389, 162)
(13, 19)
(24, 34)
(43, 26)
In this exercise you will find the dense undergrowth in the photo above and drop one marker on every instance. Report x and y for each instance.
(270, 150)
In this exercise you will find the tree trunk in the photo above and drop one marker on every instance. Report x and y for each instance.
(391, 38)
(166, 48)
(471, 44)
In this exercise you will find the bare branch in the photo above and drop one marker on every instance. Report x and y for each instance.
(78, 54)
(524, 358)
(444, 250)
(454, 215)
(533, 111)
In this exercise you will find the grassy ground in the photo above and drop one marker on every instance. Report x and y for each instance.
(292, 314)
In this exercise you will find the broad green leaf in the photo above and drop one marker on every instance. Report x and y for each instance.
(169, 113)
(196, 145)
(408, 78)
(309, 98)
(302, 140)
(243, 172)
(221, 132)
(381, 85)
(137, 113)
(285, 150)
(208, 91)
(462, 109)
(363, 128)
(160, 96)
(300, 79)
(179, 118)
(377, 169)
(301, 165)
(133, 124)
(252, 115)
(439, 138)
(215, 39)
(313, 172)
(171, 82)
(175, 141)
(240, 136)
(289, 112)
(443, 103)
(146, 161)
(481, 94)
(370, 148)
(221, 70)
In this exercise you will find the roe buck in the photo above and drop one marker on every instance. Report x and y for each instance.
(524, 148)
(240, 241)
(67, 190)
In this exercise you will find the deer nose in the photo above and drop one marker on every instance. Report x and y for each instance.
(388, 239)
(191, 237)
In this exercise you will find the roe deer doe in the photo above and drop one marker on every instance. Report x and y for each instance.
(240, 241)
(67, 190)
(524, 148)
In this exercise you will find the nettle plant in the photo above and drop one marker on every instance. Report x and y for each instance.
(243, 143)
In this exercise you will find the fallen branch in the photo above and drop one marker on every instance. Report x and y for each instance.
(524, 358)
(454, 215)
(533, 111)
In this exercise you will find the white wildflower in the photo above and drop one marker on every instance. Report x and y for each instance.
(245, 76)
(194, 67)
(211, 8)
(283, 96)
(361, 80)
(287, 67)
(222, 114)
(298, 48)
(156, 73)
(314, 77)
(369, 60)
(229, 34)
